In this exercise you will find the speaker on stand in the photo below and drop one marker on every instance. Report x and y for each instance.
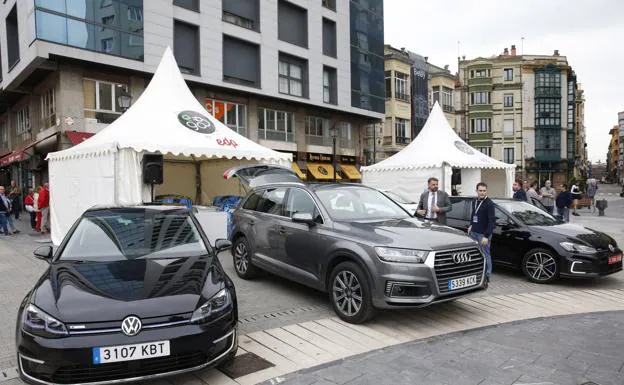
(152, 170)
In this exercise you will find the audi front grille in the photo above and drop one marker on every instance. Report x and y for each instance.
(458, 263)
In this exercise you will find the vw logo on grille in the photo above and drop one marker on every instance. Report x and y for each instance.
(611, 247)
(461, 258)
(131, 326)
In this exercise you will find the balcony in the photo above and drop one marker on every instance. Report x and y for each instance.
(480, 107)
(480, 81)
(316, 140)
(548, 155)
(547, 92)
(447, 108)
(401, 97)
(481, 136)
(278, 136)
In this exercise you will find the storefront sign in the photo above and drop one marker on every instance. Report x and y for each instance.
(319, 158)
(196, 122)
(344, 159)
(11, 158)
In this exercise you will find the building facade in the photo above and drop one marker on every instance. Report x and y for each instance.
(613, 155)
(419, 92)
(512, 107)
(295, 76)
(441, 88)
(397, 127)
(620, 165)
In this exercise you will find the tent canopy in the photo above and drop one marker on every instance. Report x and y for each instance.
(436, 145)
(434, 153)
(106, 169)
(168, 119)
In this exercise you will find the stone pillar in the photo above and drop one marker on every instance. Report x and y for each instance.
(70, 99)
(137, 86)
(252, 119)
(300, 136)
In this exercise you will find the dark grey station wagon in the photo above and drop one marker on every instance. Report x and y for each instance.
(351, 241)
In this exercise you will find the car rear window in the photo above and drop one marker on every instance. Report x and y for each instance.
(112, 235)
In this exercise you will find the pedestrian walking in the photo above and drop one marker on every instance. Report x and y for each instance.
(15, 196)
(482, 224)
(563, 203)
(5, 212)
(29, 205)
(548, 196)
(519, 193)
(592, 189)
(532, 194)
(576, 195)
(434, 204)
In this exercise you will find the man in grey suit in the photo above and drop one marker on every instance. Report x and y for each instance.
(434, 204)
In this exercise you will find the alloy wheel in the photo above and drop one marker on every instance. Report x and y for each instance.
(347, 293)
(541, 266)
(241, 257)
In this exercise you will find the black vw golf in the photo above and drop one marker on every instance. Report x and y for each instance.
(132, 293)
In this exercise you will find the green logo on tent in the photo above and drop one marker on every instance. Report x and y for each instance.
(196, 122)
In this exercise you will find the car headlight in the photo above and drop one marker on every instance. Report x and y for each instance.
(391, 254)
(215, 307)
(578, 248)
(39, 323)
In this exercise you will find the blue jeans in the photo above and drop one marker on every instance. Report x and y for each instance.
(564, 213)
(486, 252)
(4, 223)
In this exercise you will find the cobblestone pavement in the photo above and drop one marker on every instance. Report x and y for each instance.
(571, 350)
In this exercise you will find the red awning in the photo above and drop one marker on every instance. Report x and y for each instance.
(77, 137)
(15, 156)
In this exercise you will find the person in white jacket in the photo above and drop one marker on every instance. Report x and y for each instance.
(576, 195)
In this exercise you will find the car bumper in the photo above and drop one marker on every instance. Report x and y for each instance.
(69, 360)
(420, 285)
(579, 266)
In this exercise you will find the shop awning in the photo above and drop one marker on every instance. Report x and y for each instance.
(322, 171)
(300, 173)
(350, 171)
(77, 137)
(15, 156)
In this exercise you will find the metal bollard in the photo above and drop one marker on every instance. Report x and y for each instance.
(601, 205)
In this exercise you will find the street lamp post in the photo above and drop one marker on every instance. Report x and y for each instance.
(334, 135)
(124, 99)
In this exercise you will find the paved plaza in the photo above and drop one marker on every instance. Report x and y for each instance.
(294, 328)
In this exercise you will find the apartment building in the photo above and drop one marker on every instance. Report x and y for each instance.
(511, 107)
(442, 90)
(620, 165)
(294, 75)
(613, 154)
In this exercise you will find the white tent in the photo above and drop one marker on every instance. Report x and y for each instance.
(166, 119)
(434, 153)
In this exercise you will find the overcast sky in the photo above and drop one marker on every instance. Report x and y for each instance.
(589, 32)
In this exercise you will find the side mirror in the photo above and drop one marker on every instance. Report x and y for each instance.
(44, 252)
(303, 218)
(222, 245)
(503, 223)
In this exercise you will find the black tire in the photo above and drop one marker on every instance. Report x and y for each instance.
(540, 266)
(241, 256)
(346, 304)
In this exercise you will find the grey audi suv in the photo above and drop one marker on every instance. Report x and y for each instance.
(350, 241)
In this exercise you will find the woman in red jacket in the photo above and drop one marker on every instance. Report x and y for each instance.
(38, 215)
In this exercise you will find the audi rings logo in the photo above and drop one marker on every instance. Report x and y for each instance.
(131, 326)
(196, 122)
(461, 258)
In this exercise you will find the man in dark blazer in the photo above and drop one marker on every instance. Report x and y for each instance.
(434, 204)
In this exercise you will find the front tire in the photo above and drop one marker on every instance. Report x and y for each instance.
(540, 266)
(241, 256)
(350, 293)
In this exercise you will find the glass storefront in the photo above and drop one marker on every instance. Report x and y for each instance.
(112, 27)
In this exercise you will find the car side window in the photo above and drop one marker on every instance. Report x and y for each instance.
(252, 201)
(272, 201)
(300, 201)
(459, 211)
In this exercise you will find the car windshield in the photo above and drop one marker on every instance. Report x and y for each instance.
(528, 214)
(117, 235)
(398, 198)
(353, 203)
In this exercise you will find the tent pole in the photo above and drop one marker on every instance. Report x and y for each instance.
(198, 186)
